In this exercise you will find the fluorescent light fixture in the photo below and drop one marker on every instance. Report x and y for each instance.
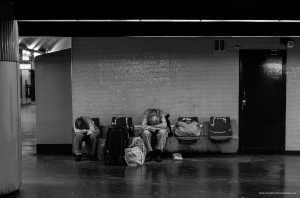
(36, 54)
(25, 66)
(26, 55)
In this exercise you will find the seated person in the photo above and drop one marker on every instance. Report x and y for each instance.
(85, 130)
(154, 123)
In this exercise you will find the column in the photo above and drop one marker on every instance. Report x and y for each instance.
(10, 154)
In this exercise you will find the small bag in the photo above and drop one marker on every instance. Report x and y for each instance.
(219, 129)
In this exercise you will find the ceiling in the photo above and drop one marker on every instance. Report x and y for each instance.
(157, 9)
(94, 19)
(45, 44)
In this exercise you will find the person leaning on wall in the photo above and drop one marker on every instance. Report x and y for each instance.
(154, 124)
(85, 130)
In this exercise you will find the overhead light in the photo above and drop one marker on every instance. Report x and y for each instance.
(30, 46)
(26, 55)
(25, 66)
(36, 54)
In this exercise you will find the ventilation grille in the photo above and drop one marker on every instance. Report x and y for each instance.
(219, 45)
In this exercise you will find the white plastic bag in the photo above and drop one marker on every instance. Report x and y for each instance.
(136, 153)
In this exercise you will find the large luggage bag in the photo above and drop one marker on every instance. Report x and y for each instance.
(219, 128)
(125, 122)
(188, 129)
(115, 144)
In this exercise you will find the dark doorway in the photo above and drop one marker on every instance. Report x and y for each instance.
(32, 88)
(262, 101)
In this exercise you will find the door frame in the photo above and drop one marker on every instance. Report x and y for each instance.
(283, 52)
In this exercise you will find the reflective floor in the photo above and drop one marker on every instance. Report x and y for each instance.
(208, 176)
(28, 129)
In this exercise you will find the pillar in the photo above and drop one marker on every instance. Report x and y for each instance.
(10, 153)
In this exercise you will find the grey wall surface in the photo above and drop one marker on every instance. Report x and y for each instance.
(183, 76)
(54, 98)
(125, 76)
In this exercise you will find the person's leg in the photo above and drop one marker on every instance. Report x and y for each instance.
(146, 135)
(161, 138)
(78, 138)
(93, 140)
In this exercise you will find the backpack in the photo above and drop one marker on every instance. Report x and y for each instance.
(116, 142)
(219, 129)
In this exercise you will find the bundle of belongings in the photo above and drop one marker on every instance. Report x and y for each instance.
(136, 152)
(187, 127)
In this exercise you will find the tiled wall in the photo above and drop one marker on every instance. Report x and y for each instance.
(183, 76)
(125, 76)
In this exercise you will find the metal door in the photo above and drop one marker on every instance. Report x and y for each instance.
(262, 101)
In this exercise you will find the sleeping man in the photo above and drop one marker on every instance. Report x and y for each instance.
(85, 130)
(154, 124)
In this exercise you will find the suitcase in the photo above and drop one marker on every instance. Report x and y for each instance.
(125, 122)
(116, 142)
(219, 129)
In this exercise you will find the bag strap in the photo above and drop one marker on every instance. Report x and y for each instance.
(168, 125)
(109, 137)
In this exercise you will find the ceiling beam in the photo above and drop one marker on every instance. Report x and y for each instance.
(73, 29)
(157, 9)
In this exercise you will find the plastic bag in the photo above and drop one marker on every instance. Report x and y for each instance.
(136, 153)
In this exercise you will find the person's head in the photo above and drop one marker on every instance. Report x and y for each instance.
(154, 118)
(80, 124)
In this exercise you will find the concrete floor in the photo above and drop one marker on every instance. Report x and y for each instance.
(208, 176)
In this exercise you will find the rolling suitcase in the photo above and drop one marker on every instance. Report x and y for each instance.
(115, 144)
(125, 122)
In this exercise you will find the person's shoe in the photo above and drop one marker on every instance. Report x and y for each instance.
(93, 158)
(77, 158)
(149, 156)
(159, 156)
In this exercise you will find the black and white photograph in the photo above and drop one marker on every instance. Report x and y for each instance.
(144, 99)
